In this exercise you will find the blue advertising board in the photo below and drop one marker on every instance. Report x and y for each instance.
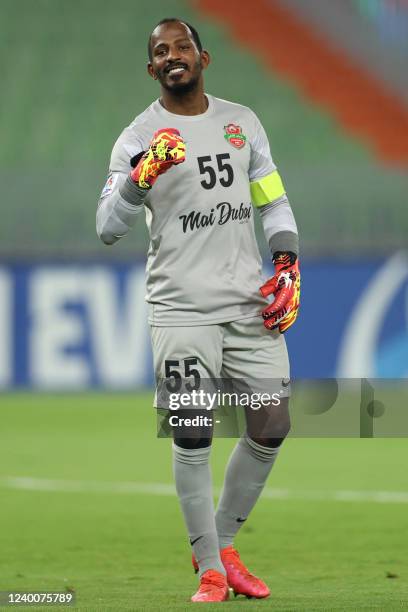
(74, 326)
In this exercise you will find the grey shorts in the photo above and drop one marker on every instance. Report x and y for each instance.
(242, 351)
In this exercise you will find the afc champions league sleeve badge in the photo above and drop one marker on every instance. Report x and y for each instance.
(110, 184)
(234, 135)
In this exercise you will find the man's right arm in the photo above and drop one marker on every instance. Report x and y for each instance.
(120, 203)
(123, 196)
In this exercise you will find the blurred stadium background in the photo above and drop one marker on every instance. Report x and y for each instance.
(329, 82)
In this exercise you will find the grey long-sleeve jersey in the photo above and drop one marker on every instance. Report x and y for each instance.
(203, 263)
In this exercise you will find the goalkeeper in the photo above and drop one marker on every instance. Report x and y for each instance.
(199, 166)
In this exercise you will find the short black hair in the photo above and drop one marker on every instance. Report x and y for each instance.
(195, 34)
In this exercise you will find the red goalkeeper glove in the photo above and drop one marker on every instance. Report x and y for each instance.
(285, 286)
(166, 149)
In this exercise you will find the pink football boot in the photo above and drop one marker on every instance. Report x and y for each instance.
(213, 587)
(239, 578)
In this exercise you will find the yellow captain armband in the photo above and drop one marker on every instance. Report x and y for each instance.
(267, 189)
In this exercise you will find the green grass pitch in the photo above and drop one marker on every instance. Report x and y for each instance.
(121, 548)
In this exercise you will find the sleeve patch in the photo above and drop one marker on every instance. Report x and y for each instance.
(110, 184)
(267, 189)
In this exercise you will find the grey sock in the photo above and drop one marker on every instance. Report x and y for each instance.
(247, 471)
(194, 489)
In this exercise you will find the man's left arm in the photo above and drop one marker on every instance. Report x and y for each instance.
(269, 197)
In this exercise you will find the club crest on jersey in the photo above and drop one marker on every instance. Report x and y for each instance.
(234, 135)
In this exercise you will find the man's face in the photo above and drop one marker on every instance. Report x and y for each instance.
(176, 61)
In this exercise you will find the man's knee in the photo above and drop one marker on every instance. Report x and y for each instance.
(190, 435)
(272, 436)
(270, 425)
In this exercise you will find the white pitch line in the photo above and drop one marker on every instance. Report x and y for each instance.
(163, 489)
(86, 486)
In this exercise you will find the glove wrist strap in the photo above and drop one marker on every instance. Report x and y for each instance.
(284, 257)
(132, 193)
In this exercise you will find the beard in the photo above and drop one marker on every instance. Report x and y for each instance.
(179, 88)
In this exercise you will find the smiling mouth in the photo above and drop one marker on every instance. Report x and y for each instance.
(176, 69)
